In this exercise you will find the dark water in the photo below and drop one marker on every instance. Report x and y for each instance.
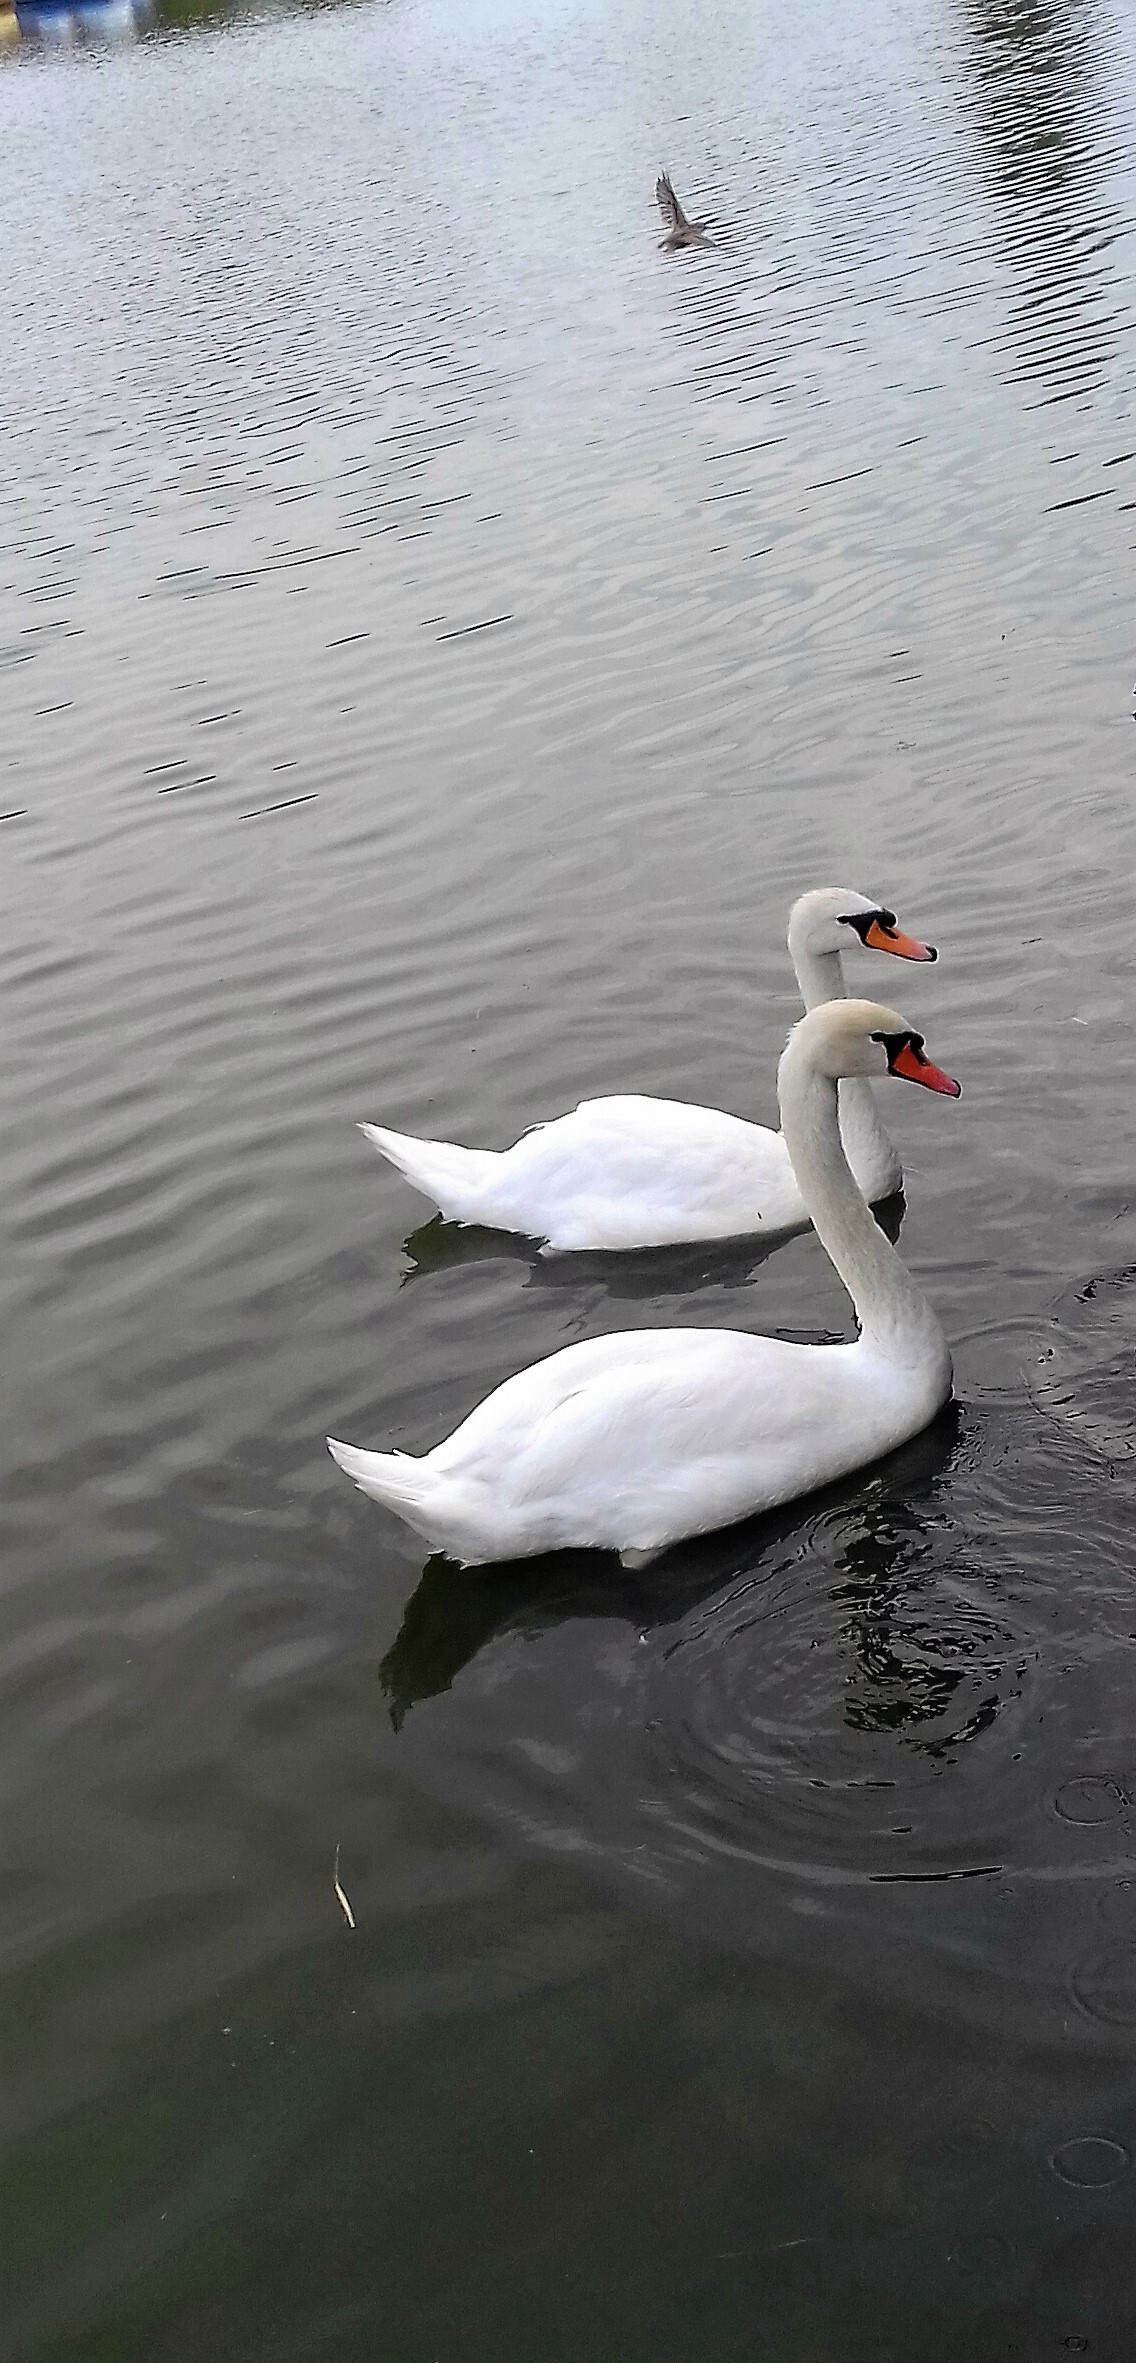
(745, 1960)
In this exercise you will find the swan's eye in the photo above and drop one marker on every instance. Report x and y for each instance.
(864, 921)
(896, 1044)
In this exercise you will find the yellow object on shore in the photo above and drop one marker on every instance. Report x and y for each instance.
(9, 28)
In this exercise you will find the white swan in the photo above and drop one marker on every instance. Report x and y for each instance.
(632, 1172)
(632, 1441)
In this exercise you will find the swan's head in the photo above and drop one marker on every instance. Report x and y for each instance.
(830, 917)
(844, 1038)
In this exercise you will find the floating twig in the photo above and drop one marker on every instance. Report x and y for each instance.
(487, 624)
(261, 809)
(348, 1914)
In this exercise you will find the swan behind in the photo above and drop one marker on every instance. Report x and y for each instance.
(632, 1441)
(631, 1171)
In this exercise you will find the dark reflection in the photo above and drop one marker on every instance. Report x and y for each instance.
(910, 1663)
(1040, 108)
(625, 1276)
(455, 1612)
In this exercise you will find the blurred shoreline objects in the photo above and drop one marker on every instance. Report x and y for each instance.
(59, 22)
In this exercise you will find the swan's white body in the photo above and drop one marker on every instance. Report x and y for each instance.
(633, 1441)
(633, 1172)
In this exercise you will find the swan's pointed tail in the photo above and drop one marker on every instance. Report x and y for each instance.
(391, 1477)
(455, 1178)
(423, 1497)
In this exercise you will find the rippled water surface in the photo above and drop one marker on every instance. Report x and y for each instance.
(439, 634)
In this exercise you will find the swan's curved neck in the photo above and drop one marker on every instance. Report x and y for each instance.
(820, 976)
(892, 1311)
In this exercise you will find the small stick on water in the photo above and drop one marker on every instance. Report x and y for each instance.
(348, 1914)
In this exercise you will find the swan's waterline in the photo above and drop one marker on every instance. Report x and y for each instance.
(633, 1443)
(629, 1171)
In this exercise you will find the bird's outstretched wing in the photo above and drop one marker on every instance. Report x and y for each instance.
(673, 216)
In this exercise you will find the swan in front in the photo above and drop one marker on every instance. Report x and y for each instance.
(631, 1171)
(633, 1441)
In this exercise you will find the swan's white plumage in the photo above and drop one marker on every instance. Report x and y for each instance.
(632, 1441)
(631, 1171)
(623, 1172)
(629, 1442)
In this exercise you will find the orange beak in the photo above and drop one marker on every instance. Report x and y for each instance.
(911, 1064)
(888, 939)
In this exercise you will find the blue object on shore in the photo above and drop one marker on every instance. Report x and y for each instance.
(61, 21)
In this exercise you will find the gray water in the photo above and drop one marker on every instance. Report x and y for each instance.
(745, 1951)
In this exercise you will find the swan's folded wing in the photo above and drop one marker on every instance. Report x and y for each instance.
(632, 1440)
(633, 1171)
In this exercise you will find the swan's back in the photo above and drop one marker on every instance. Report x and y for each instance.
(629, 1441)
(630, 1171)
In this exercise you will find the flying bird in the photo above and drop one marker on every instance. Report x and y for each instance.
(680, 232)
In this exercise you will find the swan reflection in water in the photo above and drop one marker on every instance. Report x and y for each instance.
(627, 1276)
(909, 1657)
(881, 1539)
